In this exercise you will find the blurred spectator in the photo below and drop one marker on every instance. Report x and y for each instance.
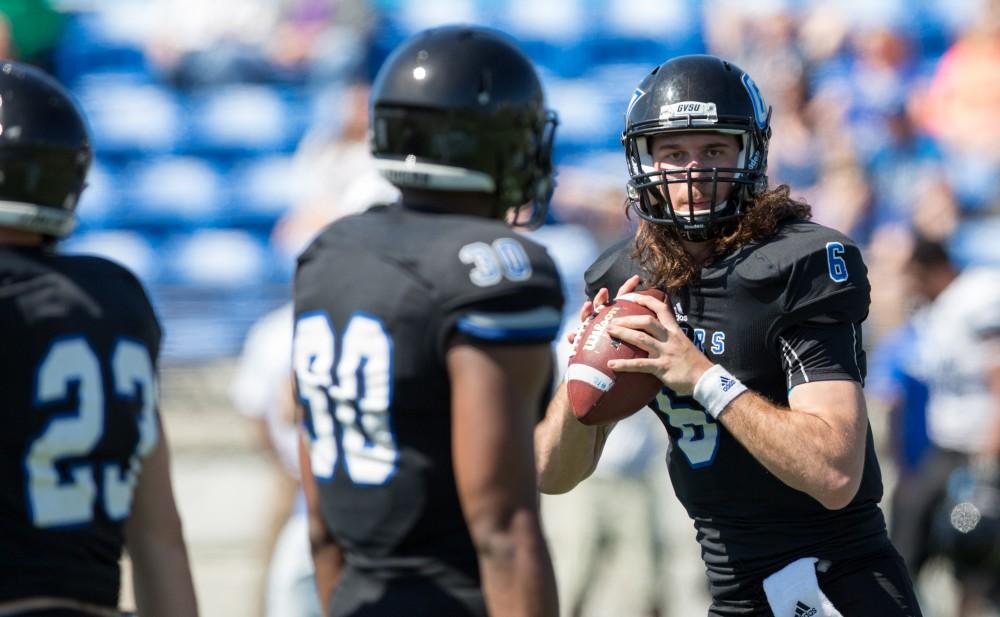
(605, 534)
(936, 211)
(894, 386)
(29, 31)
(334, 175)
(795, 154)
(842, 198)
(262, 391)
(902, 169)
(237, 41)
(959, 358)
(961, 108)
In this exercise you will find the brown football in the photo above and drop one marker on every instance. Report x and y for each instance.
(597, 394)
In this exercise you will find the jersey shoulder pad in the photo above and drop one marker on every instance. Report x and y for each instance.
(119, 277)
(815, 272)
(495, 283)
(612, 268)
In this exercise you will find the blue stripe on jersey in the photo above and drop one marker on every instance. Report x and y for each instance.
(541, 324)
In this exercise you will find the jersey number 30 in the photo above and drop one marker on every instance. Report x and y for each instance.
(52, 500)
(355, 406)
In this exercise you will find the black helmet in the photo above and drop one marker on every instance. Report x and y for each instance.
(696, 93)
(460, 108)
(44, 152)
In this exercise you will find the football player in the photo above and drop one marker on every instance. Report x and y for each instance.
(422, 346)
(759, 350)
(83, 461)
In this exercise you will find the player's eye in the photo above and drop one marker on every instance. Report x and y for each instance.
(675, 156)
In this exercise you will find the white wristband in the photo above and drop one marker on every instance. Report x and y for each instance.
(716, 389)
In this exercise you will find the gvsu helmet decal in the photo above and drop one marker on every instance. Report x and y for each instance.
(761, 113)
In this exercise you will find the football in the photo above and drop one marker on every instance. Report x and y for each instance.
(597, 394)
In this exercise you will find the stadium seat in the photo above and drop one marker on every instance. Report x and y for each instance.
(130, 120)
(217, 258)
(240, 120)
(263, 190)
(128, 248)
(175, 191)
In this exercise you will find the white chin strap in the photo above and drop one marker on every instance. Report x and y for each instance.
(39, 219)
(413, 174)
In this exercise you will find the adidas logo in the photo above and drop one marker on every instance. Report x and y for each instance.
(726, 384)
(801, 608)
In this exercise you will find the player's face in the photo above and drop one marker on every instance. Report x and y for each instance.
(676, 152)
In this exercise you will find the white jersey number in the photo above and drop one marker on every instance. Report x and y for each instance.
(699, 440)
(71, 365)
(491, 263)
(354, 409)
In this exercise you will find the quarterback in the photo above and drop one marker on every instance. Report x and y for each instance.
(759, 350)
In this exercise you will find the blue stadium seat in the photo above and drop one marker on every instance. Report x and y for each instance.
(108, 39)
(175, 191)
(128, 248)
(218, 258)
(100, 198)
(263, 190)
(586, 119)
(130, 120)
(240, 120)
(415, 15)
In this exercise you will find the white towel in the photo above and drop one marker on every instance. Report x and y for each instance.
(793, 591)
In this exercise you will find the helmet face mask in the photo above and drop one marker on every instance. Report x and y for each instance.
(462, 109)
(696, 94)
(45, 152)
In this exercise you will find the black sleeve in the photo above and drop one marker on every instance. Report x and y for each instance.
(827, 281)
(519, 305)
(817, 351)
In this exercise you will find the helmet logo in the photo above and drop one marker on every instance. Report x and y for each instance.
(689, 113)
(759, 106)
(638, 94)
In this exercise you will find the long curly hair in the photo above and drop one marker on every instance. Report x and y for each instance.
(660, 251)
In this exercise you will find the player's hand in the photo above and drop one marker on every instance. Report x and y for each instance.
(590, 307)
(673, 358)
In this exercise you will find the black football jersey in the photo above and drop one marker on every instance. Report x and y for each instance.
(77, 381)
(377, 297)
(776, 314)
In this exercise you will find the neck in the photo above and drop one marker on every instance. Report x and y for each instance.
(700, 252)
(458, 202)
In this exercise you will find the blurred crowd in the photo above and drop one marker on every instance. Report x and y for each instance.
(886, 119)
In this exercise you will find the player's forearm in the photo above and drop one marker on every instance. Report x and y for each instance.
(328, 559)
(161, 578)
(799, 448)
(515, 568)
(566, 450)
(327, 563)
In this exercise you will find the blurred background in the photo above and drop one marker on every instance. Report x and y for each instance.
(227, 132)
